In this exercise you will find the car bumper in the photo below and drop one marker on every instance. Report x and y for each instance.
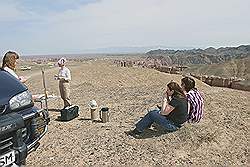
(21, 133)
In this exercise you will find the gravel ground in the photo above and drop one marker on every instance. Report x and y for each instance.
(220, 139)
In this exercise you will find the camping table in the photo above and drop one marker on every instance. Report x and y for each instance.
(41, 98)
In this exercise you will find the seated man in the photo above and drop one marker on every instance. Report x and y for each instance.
(194, 98)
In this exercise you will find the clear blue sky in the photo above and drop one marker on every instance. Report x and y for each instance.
(75, 26)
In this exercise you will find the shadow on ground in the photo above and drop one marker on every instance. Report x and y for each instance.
(154, 131)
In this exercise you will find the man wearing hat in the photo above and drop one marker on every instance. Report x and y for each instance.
(64, 77)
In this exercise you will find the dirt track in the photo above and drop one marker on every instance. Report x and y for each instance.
(220, 139)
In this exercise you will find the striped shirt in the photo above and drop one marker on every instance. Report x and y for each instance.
(196, 102)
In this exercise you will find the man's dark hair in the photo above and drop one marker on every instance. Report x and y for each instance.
(188, 83)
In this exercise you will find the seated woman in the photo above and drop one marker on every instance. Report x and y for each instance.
(173, 113)
(9, 64)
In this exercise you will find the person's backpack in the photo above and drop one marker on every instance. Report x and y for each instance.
(196, 102)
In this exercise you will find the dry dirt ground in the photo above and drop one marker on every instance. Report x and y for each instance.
(220, 139)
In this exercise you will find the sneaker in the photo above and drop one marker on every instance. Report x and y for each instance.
(135, 133)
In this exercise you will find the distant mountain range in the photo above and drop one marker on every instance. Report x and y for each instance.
(200, 56)
(128, 50)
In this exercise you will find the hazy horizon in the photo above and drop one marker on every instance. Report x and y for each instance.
(119, 50)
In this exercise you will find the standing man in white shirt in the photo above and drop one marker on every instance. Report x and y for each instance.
(64, 78)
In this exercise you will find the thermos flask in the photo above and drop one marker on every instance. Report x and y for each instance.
(93, 106)
(104, 114)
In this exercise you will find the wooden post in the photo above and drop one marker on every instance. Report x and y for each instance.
(45, 90)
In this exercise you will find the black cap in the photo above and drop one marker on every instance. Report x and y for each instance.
(105, 109)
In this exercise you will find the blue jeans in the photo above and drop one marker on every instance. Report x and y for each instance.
(155, 116)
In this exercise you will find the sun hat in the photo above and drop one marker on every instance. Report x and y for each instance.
(93, 104)
(62, 61)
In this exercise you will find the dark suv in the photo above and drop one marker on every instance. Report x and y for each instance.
(22, 125)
